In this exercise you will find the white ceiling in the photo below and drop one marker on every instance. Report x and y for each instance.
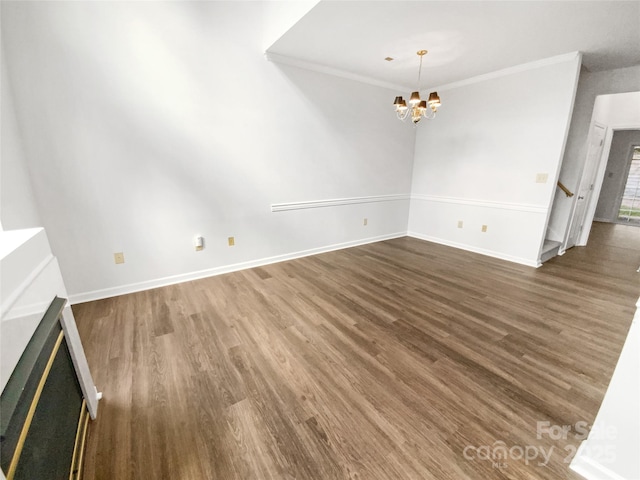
(464, 38)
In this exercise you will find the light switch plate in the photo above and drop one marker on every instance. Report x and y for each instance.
(542, 177)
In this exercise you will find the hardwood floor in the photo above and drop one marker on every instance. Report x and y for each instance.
(395, 360)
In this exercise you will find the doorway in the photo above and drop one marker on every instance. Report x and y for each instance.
(619, 199)
(615, 113)
(629, 210)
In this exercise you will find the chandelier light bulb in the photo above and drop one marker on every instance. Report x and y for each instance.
(434, 100)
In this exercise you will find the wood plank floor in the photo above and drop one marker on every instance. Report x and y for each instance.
(384, 361)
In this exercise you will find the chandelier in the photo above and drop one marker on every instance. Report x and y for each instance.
(417, 108)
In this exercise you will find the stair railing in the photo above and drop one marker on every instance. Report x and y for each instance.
(566, 191)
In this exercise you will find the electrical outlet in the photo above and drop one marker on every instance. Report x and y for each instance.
(484, 228)
(118, 257)
(232, 241)
(365, 222)
(460, 223)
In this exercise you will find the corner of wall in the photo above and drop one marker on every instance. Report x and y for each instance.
(471, 167)
(18, 203)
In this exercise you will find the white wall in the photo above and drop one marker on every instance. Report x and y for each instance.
(478, 161)
(280, 16)
(619, 110)
(616, 173)
(591, 85)
(18, 208)
(146, 123)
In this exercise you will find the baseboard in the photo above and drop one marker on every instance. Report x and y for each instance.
(471, 248)
(210, 272)
(591, 469)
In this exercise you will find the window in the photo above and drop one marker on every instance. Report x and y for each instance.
(630, 204)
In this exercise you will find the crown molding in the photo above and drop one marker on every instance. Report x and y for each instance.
(336, 72)
(317, 67)
(567, 57)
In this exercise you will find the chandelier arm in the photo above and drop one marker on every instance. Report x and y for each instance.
(403, 115)
(428, 113)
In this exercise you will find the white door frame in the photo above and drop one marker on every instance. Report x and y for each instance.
(599, 178)
(584, 220)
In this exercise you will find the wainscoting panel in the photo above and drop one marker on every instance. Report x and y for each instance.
(512, 230)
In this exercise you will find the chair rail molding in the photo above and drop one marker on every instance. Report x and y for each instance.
(334, 202)
(521, 207)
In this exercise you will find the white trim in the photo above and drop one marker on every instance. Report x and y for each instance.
(597, 180)
(79, 359)
(624, 126)
(567, 57)
(572, 214)
(520, 207)
(589, 468)
(336, 72)
(471, 248)
(20, 289)
(210, 272)
(281, 207)
(317, 67)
